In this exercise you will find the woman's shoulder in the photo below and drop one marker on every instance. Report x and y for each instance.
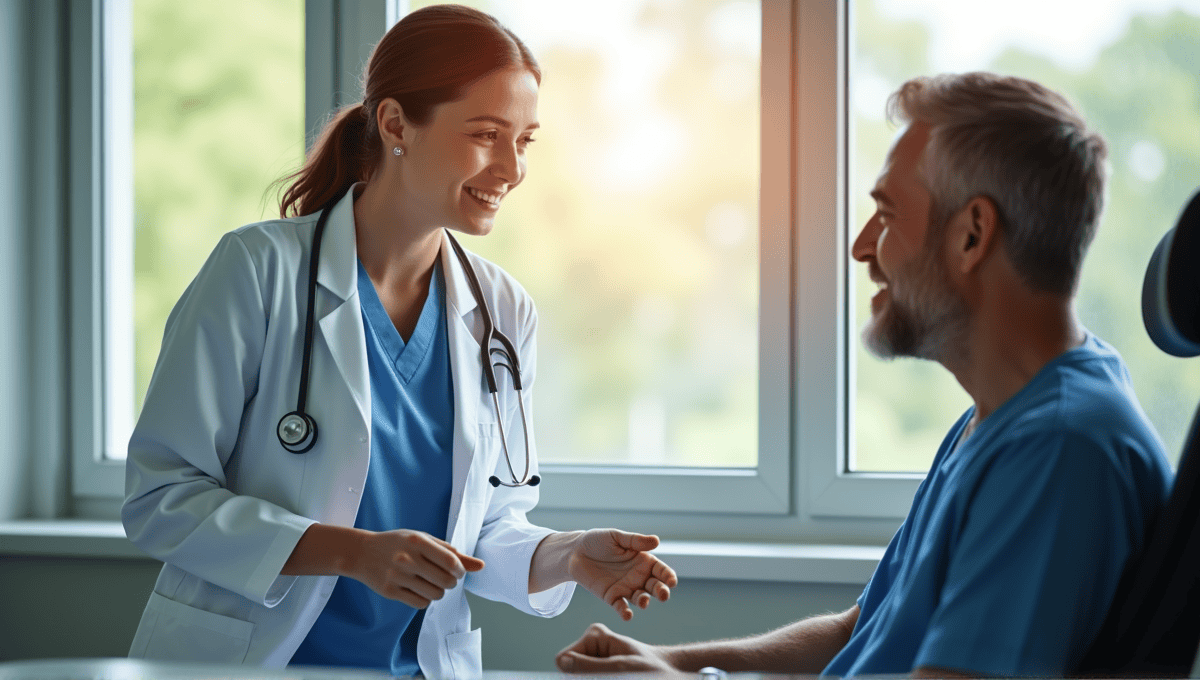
(283, 234)
(495, 279)
(508, 298)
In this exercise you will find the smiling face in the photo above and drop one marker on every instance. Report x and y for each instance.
(916, 311)
(458, 168)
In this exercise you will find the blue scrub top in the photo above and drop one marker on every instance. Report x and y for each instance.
(1010, 556)
(408, 483)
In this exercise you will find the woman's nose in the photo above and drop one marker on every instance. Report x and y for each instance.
(507, 165)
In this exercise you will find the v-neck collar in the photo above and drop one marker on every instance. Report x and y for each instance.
(405, 357)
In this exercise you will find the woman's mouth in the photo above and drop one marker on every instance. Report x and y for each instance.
(486, 200)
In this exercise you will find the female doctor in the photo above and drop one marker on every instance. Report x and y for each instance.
(267, 464)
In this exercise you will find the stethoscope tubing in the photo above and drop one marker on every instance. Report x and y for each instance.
(297, 430)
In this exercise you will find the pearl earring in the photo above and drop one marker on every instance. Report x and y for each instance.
(398, 151)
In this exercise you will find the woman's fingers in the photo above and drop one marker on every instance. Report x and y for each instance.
(657, 589)
(663, 573)
(641, 598)
(410, 598)
(621, 605)
(414, 567)
(639, 542)
(435, 574)
(467, 562)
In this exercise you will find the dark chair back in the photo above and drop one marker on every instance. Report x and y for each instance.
(1153, 627)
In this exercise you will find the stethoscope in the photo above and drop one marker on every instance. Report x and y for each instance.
(297, 430)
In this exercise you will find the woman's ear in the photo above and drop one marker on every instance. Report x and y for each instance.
(389, 117)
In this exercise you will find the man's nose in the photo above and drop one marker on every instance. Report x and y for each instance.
(864, 245)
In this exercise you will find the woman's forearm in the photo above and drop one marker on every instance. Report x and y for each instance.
(551, 561)
(324, 550)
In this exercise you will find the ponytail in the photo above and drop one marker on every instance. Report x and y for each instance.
(339, 158)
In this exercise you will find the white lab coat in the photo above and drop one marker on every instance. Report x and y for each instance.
(212, 493)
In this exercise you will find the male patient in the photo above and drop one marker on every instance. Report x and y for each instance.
(1012, 550)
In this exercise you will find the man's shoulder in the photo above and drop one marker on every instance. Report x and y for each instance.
(1080, 411)
(1085, 394)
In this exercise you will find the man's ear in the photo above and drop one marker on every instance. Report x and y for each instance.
(973, 234)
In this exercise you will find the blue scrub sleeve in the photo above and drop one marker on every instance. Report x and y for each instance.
(1017, 599)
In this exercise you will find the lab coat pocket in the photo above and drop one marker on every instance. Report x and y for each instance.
(184, 633)
(466, 654)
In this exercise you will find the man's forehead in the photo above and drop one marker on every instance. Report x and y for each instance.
(902, 159)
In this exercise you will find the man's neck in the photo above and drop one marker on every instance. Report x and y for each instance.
(1008, 343)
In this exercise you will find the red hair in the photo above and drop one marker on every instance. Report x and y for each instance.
(429, 58)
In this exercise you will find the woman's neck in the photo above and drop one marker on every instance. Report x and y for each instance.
(397, 254)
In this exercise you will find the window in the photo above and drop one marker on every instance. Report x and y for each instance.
(684, 229)
(1127, 69)
(198, 107)
(637, 232)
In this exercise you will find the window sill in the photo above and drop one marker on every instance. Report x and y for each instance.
(844, 564)
(67, 538)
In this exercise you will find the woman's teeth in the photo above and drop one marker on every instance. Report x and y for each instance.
(491, 199)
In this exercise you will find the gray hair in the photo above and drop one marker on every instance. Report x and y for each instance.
(1024, 147)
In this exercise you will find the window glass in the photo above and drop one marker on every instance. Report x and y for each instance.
(218, 107)
(636, 230)
(1131, 70)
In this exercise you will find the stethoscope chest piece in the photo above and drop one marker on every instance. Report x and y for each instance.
(297, 432)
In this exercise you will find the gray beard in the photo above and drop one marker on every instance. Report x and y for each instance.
(929, 323)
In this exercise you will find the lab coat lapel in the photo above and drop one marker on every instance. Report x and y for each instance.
(467, 373)
(340, 315)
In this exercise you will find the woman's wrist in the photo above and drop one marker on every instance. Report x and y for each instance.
(552, 560)
(326, 550)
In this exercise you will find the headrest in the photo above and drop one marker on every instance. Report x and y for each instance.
(1171, 291)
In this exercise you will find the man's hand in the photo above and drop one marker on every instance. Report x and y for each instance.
(602, 651)
(410, 566)
(616, 567)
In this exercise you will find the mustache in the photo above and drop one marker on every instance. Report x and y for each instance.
(875, 272)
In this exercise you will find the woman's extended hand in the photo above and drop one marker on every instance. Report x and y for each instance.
(616, 567)
(410, 566)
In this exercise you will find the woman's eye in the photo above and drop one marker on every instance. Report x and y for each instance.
(528, 140)
(490, 135)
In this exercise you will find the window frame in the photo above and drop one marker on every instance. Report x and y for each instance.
(95, 477)
(802, 488)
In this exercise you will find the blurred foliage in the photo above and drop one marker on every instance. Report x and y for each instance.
(218, 115)
(1142, 94)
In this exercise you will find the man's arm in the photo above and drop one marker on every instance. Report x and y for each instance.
(930, 672)
(806, 646)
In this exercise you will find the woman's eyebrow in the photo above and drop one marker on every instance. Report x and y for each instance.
(498, 121)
